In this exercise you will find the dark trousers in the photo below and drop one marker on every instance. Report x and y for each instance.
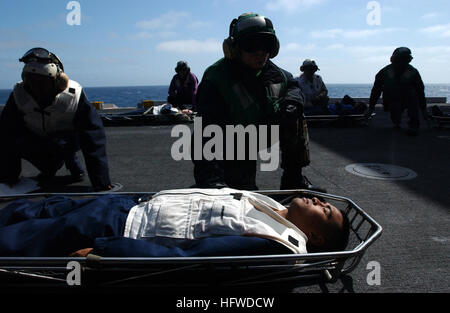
(241, 174)
(398, 106)
(58, 226)
(294, 146)
(47, 154)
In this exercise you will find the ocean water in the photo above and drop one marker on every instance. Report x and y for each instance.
(131, 96)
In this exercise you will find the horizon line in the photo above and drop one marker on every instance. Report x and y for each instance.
(128, 86)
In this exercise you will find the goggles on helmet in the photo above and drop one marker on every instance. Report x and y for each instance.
(41, 55)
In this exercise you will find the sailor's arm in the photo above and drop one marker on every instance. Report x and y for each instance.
(93, 143)
(293, 131)
(12, 126)
(420, 88)
(377, 89)
(11, 119)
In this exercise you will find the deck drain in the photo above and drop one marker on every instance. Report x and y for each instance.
(381, 171)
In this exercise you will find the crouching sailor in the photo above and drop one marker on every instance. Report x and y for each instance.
(46, 120)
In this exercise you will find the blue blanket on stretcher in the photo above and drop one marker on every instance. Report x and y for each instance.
(59, 226)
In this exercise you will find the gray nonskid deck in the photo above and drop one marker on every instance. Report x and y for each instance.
(414, 248)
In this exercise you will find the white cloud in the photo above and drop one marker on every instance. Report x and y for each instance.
(350, 34)
(198, 25)
(191, 46)
(336, 46)
(429, 16)
(380, 54)
(364, 52)
(372, 50)
(442, 30)
(295, 47)
(166, 25)
(166, 21)
(152, 34)
(16, 44)
(291, 5)
(433, 54)
(328, 33)
(434, 50)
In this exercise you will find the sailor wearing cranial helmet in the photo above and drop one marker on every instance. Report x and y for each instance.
(46, 120)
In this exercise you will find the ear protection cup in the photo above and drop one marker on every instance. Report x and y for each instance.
(24, 77)
(228, 45)
(276, 50)
(61, 82)
(231, 28)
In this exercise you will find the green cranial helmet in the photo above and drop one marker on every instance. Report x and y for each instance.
(252, 31)
(401, 54)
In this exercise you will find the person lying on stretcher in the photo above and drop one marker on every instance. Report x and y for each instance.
(347, 106)
(184, 222)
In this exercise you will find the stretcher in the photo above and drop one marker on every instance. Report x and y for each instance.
(140, 117)
(282, 272)
(146, 116)
(440, 117)
(339, 120)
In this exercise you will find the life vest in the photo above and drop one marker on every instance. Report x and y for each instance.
(54, 118)
(243, 107)
(174, 217)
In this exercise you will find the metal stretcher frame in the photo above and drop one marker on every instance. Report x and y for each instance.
(144, 118)
(441, 122)
(285, 270)
(439, 116)
(136, 118)
(358, 119)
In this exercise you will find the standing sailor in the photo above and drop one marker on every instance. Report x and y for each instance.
(402, 89)
(46, 120)
(246, 88)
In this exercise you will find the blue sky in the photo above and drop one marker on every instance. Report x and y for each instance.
(137, 42)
